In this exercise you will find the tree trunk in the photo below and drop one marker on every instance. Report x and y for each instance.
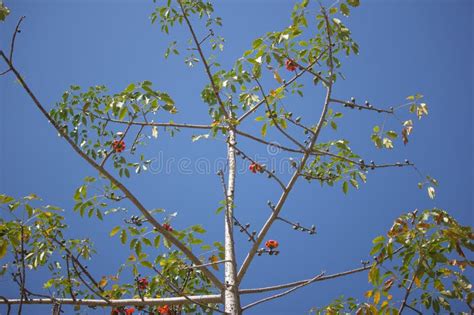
(231, 293)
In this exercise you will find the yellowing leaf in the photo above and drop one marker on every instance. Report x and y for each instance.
(214, 259)
(417, 282)
(103, 282)
(3, 248)
(277, 77)
(115, 230)
(377, 297)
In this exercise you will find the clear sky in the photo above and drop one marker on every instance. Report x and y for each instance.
(405, 47)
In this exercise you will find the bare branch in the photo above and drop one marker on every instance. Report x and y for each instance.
(71, 289)
(283, 293)
(152, 124)
(296, 226)
(367, 106)
(270, 174)
(213, 298)
(204, 61)
(23, 269)
(205, 265)
(5, 301)
(366, 266)
(408, 290)
(12, 45)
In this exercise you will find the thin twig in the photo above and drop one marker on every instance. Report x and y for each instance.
(369, 107)
(265, 170)
(414, 309)
(215, 89)
(71, 291)
(74, 266)
(283, 293)
(270, 113)
(366, 266)
(5, 300)
(284, 85)
(12, 45)
(298, 227)
(408, 290)
(206, 264)
(23, 269)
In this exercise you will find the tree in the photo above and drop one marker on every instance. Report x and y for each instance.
(423, 250)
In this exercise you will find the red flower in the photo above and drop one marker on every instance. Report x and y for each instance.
(290, 65)
(115, 312)
(164, 310)
(142, 283)
(118, 145)
(167, 227)
(129, 311)
(254, 168)
(271, 244)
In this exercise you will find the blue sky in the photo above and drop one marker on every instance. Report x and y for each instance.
(405, 47)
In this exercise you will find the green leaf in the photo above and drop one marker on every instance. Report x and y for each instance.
(123, 112)
(376, 248)
(198, 229)
(344, 9)
(146, 241)
(147, 264)
(123, 237)
(256, 43)
(353, 3)
(115, 230)
(156, 241)
(3, 248)
(345, 187)
(130, 88)
(392, 134)
(4, 12)
(264, 130)
(31, 197)
(378, 239)
(373, 274)
(5, 199)
(354, 183)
